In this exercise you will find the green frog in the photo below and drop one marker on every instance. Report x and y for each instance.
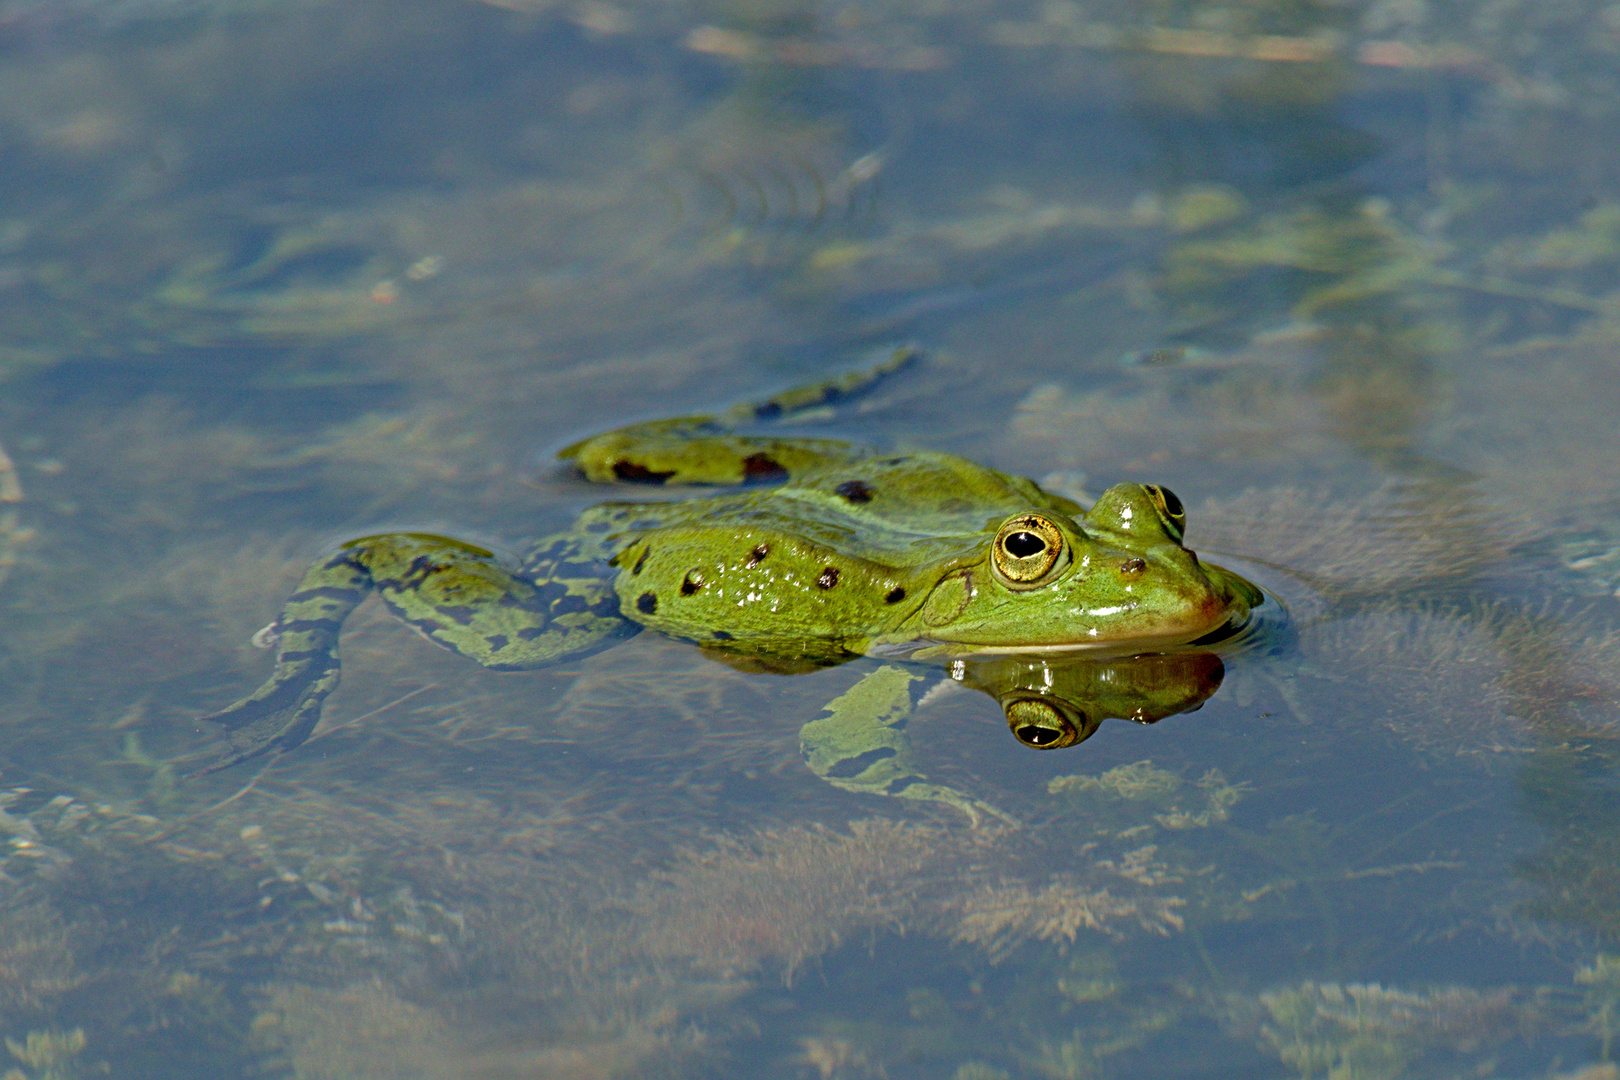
(822, 553)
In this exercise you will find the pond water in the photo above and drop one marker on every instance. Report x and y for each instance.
(1345, 276)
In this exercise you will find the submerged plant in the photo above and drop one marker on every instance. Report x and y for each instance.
(49, 1055)
(784, 895)
(1370, 1032)
(1602, 999)
(1129, 795)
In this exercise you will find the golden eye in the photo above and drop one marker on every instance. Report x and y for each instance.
(1027, 551)
(1175, 515)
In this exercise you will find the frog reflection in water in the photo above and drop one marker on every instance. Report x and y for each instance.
(926, 557)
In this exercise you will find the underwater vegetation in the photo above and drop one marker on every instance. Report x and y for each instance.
(47, 1055)
(1347, 288)
(1371, 1032)
(1601, 999)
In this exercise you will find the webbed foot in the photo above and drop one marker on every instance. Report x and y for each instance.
(278, 716)
(282, 713)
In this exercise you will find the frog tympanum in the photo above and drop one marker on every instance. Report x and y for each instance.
(824, 552)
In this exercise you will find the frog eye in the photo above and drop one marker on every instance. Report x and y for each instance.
(1165, 500)
(1027, 551)
(1042, 724)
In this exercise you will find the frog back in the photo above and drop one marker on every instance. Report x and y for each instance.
(890, 500)
(820, 564)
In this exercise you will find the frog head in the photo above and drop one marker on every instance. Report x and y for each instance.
(1117, 579)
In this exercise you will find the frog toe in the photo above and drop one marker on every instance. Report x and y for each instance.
(279, 717)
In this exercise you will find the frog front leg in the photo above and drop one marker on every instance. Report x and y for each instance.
(457, 595)
(860, 745)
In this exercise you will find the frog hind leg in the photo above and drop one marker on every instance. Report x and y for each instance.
(457, 595)
(860, 745)
(704, 450)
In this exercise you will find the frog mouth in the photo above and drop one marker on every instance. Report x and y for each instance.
(937, 648)
(1235, 632)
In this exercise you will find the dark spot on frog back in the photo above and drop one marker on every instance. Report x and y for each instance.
(692, 582)
(757, 556)
(761, 468)
(855, 491)
(636, 473)
(828, 578)
(647, 603)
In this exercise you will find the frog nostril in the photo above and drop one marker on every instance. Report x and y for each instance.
(1133, 566)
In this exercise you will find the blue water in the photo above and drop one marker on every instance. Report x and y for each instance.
(1342, 277)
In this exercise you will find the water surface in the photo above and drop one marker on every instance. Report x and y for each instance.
(1343, 276)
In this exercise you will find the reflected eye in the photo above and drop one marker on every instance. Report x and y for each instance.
(1041, 724)
(1170, 506)
(1027, 551)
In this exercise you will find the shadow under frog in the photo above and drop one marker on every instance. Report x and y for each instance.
(926, 557)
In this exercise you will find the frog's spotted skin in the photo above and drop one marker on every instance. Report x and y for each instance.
(926, 555)
(458, 595)
(912, 556)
